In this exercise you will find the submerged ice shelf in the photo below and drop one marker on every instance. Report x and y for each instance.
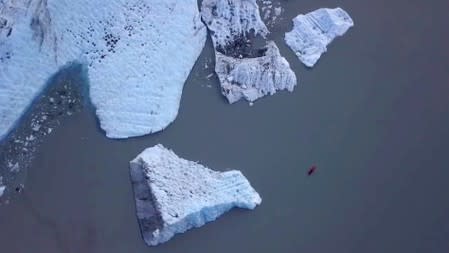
(312, 33)
(2, 187)
(245, 70)
(173, 194)
(123, 43)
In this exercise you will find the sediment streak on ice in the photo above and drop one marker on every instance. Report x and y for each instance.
(173, 194)
(138, 53)
(312, 32)
(244, 70)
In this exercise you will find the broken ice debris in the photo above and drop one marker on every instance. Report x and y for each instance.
(124, 46)
(245, 71)
(314, 31)
(173, 194)
(271, 11)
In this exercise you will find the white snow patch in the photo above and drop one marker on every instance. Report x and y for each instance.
(314, 31)
(138, 55)
(173, 194)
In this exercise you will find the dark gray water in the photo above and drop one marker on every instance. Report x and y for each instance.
(372, 115)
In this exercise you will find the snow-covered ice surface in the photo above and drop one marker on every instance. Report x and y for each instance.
(124, 43)
(244, 69)
(313, 31)
(173, 194)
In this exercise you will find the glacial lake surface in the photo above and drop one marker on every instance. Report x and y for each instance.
(372, 115)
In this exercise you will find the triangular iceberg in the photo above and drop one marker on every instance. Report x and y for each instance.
(173, 194)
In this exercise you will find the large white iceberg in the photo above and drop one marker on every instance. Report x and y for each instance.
(314, 31)
(173, 194)
(245, 69)
(138, 55)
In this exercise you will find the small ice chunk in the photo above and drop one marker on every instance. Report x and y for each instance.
(173, 194)
(35, 127)
(271, 12)
(277, 11)
(30, 138)
(13, 167)
(314, 31)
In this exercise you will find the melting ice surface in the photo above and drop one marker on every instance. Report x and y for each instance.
(125, 45)
(313, 31)
(245, 71)
(173, 194)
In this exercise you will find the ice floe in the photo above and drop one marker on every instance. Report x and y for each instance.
(245, 70)
(313, 31)
(138, 55)
(173, 194)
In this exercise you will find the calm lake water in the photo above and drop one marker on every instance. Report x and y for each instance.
(372, 115)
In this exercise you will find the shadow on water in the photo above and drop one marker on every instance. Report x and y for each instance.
(65, 95)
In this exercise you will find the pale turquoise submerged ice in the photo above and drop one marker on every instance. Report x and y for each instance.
(125, 45)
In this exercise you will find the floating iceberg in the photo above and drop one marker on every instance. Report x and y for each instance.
(138, 55)
(173, 194)
(314, 31)
(244, 69)
(253, 78)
